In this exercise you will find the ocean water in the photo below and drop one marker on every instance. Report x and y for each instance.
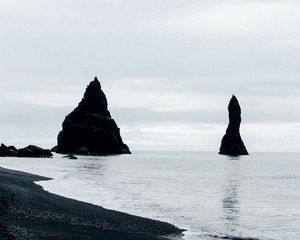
(210, 195)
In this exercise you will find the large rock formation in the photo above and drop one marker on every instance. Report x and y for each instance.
(29, 151)
(232, 143)
(89, 129)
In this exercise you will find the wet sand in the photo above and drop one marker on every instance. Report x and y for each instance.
(29, 212)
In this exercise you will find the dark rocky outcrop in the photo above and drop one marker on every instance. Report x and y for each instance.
(232, 143)
(10, 151)
(89, 128)
(34, 151)
(70, 156)
(29, 151)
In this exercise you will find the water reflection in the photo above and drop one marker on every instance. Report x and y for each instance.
(234, 157)
(230, 201)
(90, 167)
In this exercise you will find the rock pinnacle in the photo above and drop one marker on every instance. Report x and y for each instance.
(89, 128)
(232, 143)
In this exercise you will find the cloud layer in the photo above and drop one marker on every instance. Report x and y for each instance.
(168, 69)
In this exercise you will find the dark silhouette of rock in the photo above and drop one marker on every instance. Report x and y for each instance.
(29, 151)
(232, 143)
(10, 151)
(54, 149)
(89, 128)
(34, 151)
(70, 156)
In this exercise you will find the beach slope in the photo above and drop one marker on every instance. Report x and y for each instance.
(29, 212)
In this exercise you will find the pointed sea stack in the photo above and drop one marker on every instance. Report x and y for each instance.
(232, 143)
(89, 129)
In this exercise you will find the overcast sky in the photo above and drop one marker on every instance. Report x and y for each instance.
(168, 68)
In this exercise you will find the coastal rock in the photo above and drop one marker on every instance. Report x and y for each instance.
(10, 151)
(70, 156)
(54, 149)
(89, 128)
(29, 151)
(34, 151)
(232, 143)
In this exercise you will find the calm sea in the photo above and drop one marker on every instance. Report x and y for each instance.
(212, 196)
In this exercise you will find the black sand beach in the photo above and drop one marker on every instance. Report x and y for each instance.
(29, 212)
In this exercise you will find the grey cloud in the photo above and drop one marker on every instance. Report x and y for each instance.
(251, 115)
(51, 49)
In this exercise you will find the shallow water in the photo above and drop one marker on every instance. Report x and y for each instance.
(212, 196)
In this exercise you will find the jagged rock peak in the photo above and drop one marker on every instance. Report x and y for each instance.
(89, 129)
(232, 143)
(94, 99)
(234, 105)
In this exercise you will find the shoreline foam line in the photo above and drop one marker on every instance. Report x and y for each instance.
(29, 210)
